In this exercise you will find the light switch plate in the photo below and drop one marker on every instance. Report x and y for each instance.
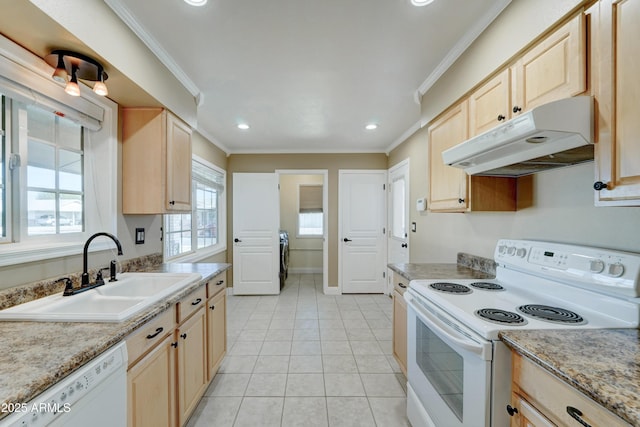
(139, 236)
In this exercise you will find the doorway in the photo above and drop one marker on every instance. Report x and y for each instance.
(303, 217)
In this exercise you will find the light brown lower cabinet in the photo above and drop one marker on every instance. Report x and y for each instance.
(151, 386)
(192, 363)
(539, 399)
(400, 322)
(173, 358)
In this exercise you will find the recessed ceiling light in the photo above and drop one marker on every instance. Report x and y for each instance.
(196, 2)
(419, 2)
(371, 126)
(243, 126)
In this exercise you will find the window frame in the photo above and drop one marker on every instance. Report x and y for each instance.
(19, 67)
(198, 254)
(309, 236)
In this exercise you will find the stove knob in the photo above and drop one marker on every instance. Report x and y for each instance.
(502, 249)
(521, 252)
(616, 270)
(596, 266)
(511, 250)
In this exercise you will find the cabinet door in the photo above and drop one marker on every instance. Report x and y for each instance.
(178, 197)
(615, 50)
(192, 367)
(447, 185)
(554, 69)
(490, 104)
(151, 385)
(400, 330)
(216, 332)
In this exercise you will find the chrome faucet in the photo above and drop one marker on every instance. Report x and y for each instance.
(85, 274)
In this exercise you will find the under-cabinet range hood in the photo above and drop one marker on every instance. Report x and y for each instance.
(556, 134)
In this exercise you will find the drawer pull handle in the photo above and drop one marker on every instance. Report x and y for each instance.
(220, 282)
(576, 414)
(402, 286)
(158, 332)
(196, 302)
(183, 336)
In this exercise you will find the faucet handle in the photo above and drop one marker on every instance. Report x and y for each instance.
(68, 286)
(99, 278)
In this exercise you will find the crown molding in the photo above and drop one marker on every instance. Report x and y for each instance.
(127, 17)
(463, 44)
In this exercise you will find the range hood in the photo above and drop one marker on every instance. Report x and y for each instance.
(553, 135)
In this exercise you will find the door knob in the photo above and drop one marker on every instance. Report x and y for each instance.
(347, 240)
(237, 240)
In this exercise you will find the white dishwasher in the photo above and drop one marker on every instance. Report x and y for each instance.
(95, 395)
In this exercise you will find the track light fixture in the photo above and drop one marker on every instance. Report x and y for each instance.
(78, 66)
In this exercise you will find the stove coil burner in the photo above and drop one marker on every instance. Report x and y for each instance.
(451, 288)
(487, 286)
(551, 314)
(501, 316)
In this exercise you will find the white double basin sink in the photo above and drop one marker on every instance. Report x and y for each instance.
(112, 302)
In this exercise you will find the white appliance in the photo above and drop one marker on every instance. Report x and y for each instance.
(458, 370)
(95, 395)
(556, 134)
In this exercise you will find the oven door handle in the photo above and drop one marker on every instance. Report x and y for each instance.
(440, 327)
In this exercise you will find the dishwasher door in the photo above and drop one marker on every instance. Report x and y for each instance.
(95, 395)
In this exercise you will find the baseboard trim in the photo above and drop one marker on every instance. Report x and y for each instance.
(332, 290)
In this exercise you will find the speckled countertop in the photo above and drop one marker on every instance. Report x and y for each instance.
(467, 267)
(35, 355)
(604, 364)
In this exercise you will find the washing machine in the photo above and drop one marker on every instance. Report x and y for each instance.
(284, 257)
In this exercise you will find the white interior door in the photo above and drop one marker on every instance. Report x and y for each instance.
(256, 243)
(362, 246)
(399, 213)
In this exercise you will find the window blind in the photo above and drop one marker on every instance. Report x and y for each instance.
(310, 198)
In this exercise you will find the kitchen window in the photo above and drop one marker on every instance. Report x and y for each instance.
(202, 231)
(310, 216)
(58, 163)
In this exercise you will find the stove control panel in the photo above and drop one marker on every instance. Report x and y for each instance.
(609, 270)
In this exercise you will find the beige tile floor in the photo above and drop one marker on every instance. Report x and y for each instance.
(303, 358)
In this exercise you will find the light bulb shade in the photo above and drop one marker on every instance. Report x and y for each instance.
(100, 89)
(421, 2)
(60, 73)
(72, 88)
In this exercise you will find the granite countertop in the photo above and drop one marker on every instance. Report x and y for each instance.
(36, 355)
(604, 364)
(467, 267)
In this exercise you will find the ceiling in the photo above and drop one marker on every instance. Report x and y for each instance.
(307, 76)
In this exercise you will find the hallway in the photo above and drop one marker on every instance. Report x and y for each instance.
(303, 358)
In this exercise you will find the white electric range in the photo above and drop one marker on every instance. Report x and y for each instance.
(459, 370)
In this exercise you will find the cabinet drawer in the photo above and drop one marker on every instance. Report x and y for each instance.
(216, 284)
(150, 334)
(400, 284)
(190, 303)
(553, 397)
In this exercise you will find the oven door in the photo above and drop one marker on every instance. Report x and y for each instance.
(448, 369)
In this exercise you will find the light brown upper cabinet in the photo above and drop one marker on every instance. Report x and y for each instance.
(553, 69)
(490, 104)
(615, 50)
(451, 189)
(156, 162)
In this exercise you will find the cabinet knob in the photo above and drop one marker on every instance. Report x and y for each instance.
(174, 344)
(576, 414)
(501, 117)
(183, 336)
(213, 307)
(511, 410)
(516, 109)
(460, 200)
(173, 202)
(237, 240)
(599, 185)
(404, 245)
